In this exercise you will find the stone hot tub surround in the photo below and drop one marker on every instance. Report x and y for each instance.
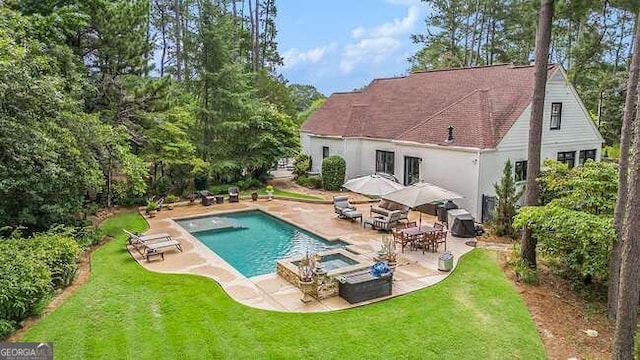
(326, 284)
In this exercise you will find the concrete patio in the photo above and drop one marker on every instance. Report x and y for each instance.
(415, 270)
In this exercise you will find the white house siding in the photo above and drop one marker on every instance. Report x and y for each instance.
(577, 132)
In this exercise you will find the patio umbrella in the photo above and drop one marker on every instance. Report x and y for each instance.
(372, 185)
(420, 194)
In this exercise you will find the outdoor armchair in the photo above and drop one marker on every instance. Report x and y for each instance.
(341, 204)
(234, 194)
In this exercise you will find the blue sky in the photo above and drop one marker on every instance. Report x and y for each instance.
(339, 45)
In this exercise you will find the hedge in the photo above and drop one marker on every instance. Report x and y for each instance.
(333, 171)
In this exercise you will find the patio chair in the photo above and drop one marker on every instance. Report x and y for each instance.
(207, 197)
(439, 237)
(341, 204)
(401, 239)
(135, 239)
(387, 222)
(158, 248)
(234, 194)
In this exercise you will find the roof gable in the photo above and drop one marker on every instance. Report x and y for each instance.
(481, 104)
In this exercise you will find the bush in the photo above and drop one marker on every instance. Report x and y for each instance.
(505, 210)
(6, 328)
(25, 281)
(313, 182)
(219, 189)
(301, 166)
(333, 171)
(60, 253)
(87, 236)
(249, 183)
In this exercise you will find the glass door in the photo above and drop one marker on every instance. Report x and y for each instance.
(411, 170)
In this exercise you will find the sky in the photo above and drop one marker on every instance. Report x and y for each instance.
(341, 45)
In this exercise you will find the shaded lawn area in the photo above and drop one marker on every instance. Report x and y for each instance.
(289, 194)
(124, 311)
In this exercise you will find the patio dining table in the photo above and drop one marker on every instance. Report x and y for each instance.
(418, 230)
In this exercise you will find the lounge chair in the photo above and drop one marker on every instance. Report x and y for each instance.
(135, 238)
(158, 248)
(384, 206)
(341, 205)
(234, 194)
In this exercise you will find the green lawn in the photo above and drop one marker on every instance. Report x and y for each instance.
(124, 311)
(278, 192)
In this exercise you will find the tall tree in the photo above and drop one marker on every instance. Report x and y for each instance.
(543, 38)
(625, 143)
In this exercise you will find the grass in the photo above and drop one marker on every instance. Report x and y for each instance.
(278, 192)
(124, 311)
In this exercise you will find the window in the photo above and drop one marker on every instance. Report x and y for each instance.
(385, 161)
(567, 157)
(411, 170)
(325, 152)
(556, 115)
(586, 155)
(521, 170)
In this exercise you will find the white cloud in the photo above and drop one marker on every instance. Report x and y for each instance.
(292, 57)
(380, 42)
(372, 50)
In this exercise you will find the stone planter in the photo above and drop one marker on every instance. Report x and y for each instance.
(270, 194)
(254, 196)
(152, 213)
(307, 289)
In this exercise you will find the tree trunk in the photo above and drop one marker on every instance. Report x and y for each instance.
(623, 179)
(178, 41)
(543, 38)
(629, 286)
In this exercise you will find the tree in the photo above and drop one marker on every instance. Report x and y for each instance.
(508, 196)
(625, 144)
(543, 38)
(304, 95)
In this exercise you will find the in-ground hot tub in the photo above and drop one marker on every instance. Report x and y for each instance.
(334, 262)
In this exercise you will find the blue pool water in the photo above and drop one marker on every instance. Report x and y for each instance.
(258, 241)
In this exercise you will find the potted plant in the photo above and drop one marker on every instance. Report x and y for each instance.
(152, 208)
(306, 266)
(192, 198)
(270, 191)
(171, 199)
(389, 251)
(254, 196)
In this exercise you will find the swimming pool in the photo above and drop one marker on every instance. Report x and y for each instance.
(257, 240)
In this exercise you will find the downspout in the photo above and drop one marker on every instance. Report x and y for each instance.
(479, 187)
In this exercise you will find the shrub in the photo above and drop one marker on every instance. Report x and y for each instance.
(314, 182)
(508, 196)
(171, 199)
(6, 328)
(87, 236)
(25, 281)
(59, 251)
(219, 189)
(249, 183)
(301, 166)
(333, 171)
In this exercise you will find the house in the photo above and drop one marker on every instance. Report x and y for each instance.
(454, 128)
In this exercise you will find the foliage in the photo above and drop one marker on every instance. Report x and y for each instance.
(578, 243)
(269, 188)
(485, 301)
(304, 115)
(333, 172)
(25, 281)
(591, 187)
(249, 183)
(508, 196)
(313, 182)
(525, 273)
(152, 205)
(171, 199)
(6, 328)
(304, 95)
(301, 166)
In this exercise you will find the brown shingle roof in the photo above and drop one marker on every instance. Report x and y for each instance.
(481, 104)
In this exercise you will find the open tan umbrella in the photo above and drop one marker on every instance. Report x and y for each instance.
(419, 194)
(374, 185)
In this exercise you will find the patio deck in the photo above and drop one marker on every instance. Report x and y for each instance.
(414, 271)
